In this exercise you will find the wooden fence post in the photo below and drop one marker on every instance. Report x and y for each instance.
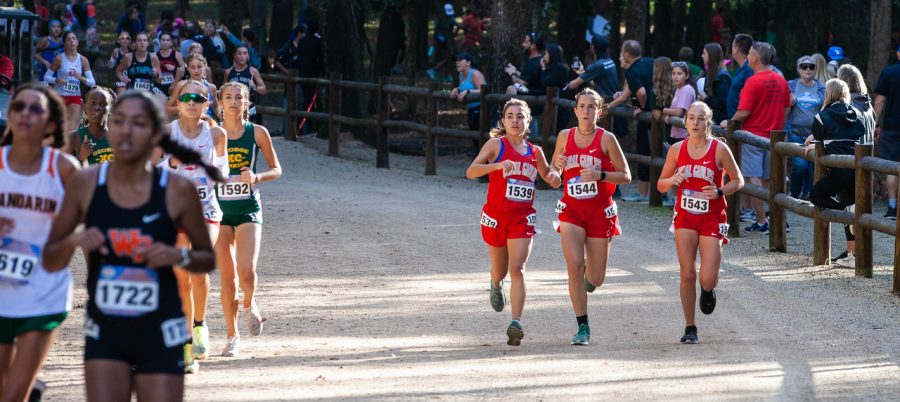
(484, 118)
(334, 109)
(550, 113)
(382, 143)
(291, 88)
(777, 235)
(863, 203)
(821, 227)
(734, 200)
(430, 141)
(656, 147)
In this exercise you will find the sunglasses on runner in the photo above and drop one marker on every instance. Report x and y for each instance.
(807, 66)
(34, 108)
(196, 98)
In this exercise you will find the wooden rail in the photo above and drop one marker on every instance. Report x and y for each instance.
(776, 194)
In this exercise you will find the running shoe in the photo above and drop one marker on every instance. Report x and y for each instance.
(891, 213)
(37, 390)
(690, 335)
(254, 320)
(589, 286)
(232, 346)
(583, 337)
(515, 333)
(755, 227)
(191, 366)
(497, 299)
(200, 344)
(840, 256)
(634, 197)
(668, 202)
(707, 301)
(748, 215)
(431, 74)
(849, 261)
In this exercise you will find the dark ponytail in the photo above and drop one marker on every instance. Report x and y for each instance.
(57, 113)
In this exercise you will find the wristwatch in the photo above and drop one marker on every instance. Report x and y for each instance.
(185, 257)
(720, 193)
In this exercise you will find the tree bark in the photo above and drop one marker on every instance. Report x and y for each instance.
(699, 32)
(511, 21)
(879, 39)
(571, 32)
(282, 23)
(231, 14)
(665, 42)
(387, 44)
(344, 50)
(259, 11)
(417, 35)
(636, 21)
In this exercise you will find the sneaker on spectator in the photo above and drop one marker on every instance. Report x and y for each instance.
(634, 197)
(618, 193)
(847, 262)
(431, 73)
(748, 215)
(756, 227)
(891, 213)
(668, 202)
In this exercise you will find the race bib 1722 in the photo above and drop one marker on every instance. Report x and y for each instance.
(127, 291)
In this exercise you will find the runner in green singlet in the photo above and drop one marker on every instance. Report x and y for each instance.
(89, 143)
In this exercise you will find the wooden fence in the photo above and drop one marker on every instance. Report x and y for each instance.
(776, 194)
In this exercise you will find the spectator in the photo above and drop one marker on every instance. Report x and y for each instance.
(840, 126)
(718, 22)
(474, 28)
(470, 82)
(714, 91)
(823, 72)
(166, 25)
(188, 33)
(807, 95)
(685, 95)
(312, 64)
(740, 49)
(6, 73)
(289, 54)
(764, 102)
(444, 26)
(213, 45)
(248, 40)
(603, 75)
(638, 83)
(555, 73)
(42, 10)
(859, 95)
(663, 89)
(529, 79)
(130, 21)
(887, 109)
(686, 54)
(836, 57)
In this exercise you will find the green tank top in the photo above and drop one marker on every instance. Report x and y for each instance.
(235, 196)
(102, 152)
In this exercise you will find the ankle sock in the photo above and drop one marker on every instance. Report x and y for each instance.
(199, 323)
(892, 202)
(582, 319)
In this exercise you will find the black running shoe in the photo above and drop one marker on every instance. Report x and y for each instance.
(690, 335)
(707, 301)
(841, 256)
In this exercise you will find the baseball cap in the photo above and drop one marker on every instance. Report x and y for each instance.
(448, 9)
(805, 60)
(464, 56)
(600, 43)
(835, 53)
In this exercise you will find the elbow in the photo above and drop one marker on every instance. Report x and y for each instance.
(626, 177)
(50, 263)
(471, 173)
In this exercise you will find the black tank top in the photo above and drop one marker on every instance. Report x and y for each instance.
(121, 289)
(244, 77)
(140, 73)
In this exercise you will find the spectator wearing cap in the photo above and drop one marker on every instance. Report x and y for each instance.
(740, 50)
(470, 82)
(887, 130)
(765, 101)
(597, 25)
(836, 56)
(444, 27)
(807, 95)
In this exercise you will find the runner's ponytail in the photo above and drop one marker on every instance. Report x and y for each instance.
(189, 156)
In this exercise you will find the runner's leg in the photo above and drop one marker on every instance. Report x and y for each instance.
(225, 258)
(710, 260)
(573, 239)
(247, 241)
(519, 250)
(686, 241)
(159, 387)
(499, 264)
(31, 350)
(597, 257)
(107, 380)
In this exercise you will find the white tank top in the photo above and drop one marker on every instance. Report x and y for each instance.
(26, 288)
(206, 187)
(67, 71)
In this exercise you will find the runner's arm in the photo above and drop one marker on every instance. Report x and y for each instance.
(667, 177)
(549, 175)
(482, 164)
(257, 79)
(264, 141)
(726, 160)
(610, 145)
(63, 239)
(558, 163)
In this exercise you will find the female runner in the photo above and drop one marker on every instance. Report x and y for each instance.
(694, 169)
(196, 65)
(49, 47)
(592, 164)
(33, 301)
(508, 218)
(248, 75)
(69, 71)
(132, 212)
(197, 134)
(169, 62)
(118, 54)
(139, 69)
(90, 143)
(237, 248)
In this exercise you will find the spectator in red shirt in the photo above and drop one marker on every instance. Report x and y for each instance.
(718, 23)
(765, 104)
(474, 28)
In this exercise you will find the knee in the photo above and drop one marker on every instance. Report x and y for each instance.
(708, 282)
(248, 276)
(516, 272)
(688, 276)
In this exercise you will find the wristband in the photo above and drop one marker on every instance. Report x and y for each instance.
(185, 257)
(720, 193)
(602, 175)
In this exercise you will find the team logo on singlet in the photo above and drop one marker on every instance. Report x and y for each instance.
(130, 243)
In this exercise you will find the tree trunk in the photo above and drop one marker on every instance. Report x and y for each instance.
(636, 21)
(344, 50)
(699, 31)
(571, 33)
(417, 35)
(678, 20)
(182, 7)
(231, 14)
(879, 39)
(511, 21)
(282, 23)
(665, 42)
(615, 35)
(387, 45)
(258, 13)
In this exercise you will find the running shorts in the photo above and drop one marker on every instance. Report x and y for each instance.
(235, 220)
(708, 224)
(497, 227)
(146, 351)
(10, 328)
(72, 100)
(598, 223)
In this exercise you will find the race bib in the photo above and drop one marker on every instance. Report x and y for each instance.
(120, 84)
(142, 84)
(175, 332)
(167, 78)
(234, 189)
(581, 189)
(723, 229)
(611, 211)
(127, 292)
(560, 207)
(531, 220)
(17, 261)
(200, 183)
(487, 221)
(72, 85)
(519, 190)
(694, 202)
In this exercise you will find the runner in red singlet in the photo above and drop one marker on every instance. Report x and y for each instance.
(592, 164)
(508, 218)
(694, 169)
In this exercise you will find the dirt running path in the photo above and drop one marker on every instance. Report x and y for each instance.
(375, 286)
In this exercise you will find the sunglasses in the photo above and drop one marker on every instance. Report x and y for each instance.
(807, 66)
(679, 64)
(33, 108)
(196, 98)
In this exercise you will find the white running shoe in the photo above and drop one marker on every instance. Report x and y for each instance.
(191, 366)
(232, 347)
(254, 320)
(847, 262)
(200, 344)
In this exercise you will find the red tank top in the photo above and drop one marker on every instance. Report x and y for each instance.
(699, 172)
(513, 190)
(577, 191)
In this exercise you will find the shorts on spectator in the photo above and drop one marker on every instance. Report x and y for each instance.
(890, 145)
(754, 161)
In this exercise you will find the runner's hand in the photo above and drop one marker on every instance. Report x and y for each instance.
(710, 192)
(161, 255)
(92, 239)
(676, 179)
(559, 162)
(6, 226)
(506, 166)
(589, 175)
(87, 147)
(247, 176)
(555, 180)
